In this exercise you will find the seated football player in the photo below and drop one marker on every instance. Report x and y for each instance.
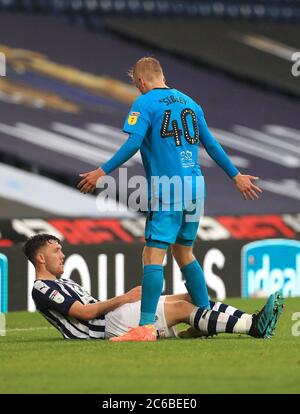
(77, 315)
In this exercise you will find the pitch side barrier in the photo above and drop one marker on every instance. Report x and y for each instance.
(242, 256)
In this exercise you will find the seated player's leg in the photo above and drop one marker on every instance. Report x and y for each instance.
(211, 322)
(190, 332)
(121, 319)
(207, 322)
(278, 309)
(119, 322)
(165, 328)
(177, 312)
(214, 305)
(265, 321)
(174, 312)
(179, 296)
(261, 325)
(231, 310)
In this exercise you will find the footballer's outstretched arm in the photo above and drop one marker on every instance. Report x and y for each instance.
(127, 150)
(93, 310)
(215, 150)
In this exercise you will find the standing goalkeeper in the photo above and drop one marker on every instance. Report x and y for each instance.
(167, 126)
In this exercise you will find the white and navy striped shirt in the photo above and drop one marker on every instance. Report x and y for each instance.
(53, 299)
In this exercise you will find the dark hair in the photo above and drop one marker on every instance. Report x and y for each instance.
(34, 243)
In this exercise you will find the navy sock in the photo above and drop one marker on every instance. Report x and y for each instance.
(222, 307)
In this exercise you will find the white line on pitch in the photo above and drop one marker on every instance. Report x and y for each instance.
(39, 328)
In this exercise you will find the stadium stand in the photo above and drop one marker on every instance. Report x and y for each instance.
(81, 126)
(261, 53)
(285, 10)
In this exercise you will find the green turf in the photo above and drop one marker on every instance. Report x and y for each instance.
(39, 361)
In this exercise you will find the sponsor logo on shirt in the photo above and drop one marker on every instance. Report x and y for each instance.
(56, 297)
(133, 117)
(187, 159)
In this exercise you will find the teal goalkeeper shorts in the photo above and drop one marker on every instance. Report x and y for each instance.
(168, 227)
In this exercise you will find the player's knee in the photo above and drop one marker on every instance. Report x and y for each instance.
(182, 255)
(153, 256)
(147, 256)
(182, 306)
(176, 252)
(187, 298)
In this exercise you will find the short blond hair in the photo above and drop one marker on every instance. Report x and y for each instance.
(147, 66)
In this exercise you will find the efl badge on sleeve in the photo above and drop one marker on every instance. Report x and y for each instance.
(133, 117)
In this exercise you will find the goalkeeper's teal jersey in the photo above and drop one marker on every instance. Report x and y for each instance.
(169, 120)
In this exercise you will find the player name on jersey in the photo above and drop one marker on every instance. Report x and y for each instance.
(173, 99)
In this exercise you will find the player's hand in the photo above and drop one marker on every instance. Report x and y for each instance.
(89, 180)
(245, 185)
(134, 294)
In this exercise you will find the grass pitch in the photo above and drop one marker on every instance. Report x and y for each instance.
(35, 359)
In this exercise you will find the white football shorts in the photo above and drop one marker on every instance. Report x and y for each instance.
(120, 320)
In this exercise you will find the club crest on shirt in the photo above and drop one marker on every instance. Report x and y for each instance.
(56, 297)
(133, 117)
